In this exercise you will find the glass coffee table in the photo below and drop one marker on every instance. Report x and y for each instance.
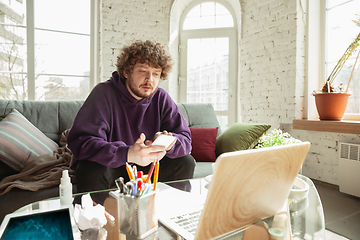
(305, 217)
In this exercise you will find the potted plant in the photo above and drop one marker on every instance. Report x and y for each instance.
(331, 101)
(276, 138)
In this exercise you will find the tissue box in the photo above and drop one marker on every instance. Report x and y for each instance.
(136, 214)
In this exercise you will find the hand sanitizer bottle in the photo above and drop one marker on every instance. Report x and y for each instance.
(65, 189)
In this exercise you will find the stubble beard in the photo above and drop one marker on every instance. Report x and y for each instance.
(137, 89)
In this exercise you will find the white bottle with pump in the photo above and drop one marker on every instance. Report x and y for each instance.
(65, 189)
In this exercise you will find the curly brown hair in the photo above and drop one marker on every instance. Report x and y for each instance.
(148, 52)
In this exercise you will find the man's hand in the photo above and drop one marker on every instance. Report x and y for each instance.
(142, 154)
(148, 143)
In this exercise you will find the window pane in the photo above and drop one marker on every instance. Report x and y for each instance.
(207, 9)
(60, 88)
(13, 86)
(56, 53)
(223, 122)
(64, 15)
(13, 13)
(221, 10)
(13, 52)
(334, 3)
(208, 15)
(354, 87)
(223, 21)
(341, 31)
(60, 53)
(207, 72)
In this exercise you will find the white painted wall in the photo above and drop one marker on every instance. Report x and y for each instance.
(271, 64)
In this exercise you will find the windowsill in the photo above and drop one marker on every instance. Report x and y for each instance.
(343, 126)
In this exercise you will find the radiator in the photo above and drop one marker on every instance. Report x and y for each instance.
(349, 169)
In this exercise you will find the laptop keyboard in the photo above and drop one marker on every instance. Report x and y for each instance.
(188, 221)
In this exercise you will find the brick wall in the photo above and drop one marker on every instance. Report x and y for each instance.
(125, 21)
(322, 162)
(272, 79)
(271, 64)
(268, 56)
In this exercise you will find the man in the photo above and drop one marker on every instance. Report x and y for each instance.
(122, 116)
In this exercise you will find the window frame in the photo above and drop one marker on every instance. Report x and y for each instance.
(229, 32)
(315, 56)
(315, 69)
(347, 116)
(30, 46)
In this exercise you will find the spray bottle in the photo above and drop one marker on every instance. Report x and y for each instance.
(65, 189)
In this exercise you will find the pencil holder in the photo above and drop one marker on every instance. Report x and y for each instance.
(137, 215)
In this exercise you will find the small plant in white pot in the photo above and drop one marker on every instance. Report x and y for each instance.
(276, 138)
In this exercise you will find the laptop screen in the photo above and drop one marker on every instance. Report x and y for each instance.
(54, 225)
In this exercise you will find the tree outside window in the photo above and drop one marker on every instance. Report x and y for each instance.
(61, 44)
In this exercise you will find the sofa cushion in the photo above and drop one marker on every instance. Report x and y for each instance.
(240, 136)
(203, 142)
(199, 115)
(21, 141)
(50, 117)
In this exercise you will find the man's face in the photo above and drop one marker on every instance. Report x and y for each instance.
(143, 80)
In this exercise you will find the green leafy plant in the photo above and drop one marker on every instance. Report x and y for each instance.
(276, 138)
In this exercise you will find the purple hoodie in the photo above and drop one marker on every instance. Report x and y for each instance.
(111, 120)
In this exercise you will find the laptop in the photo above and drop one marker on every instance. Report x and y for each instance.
(247, 186)
(56, 224)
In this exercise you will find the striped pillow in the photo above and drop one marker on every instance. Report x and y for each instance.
(21, 141)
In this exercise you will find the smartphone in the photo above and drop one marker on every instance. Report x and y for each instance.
(164, 140)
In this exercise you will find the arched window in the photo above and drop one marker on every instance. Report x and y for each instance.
(208, 15)
(208, 58)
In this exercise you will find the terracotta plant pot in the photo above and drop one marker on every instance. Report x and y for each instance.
(331, 106)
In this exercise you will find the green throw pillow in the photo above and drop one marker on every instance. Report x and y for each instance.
(240, 136)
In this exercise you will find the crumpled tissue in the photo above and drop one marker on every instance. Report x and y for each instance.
(88, 216)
